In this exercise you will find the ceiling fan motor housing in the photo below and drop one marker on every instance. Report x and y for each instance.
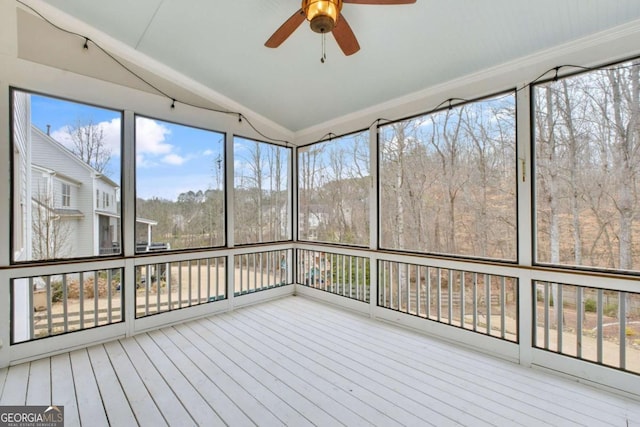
(322, 14)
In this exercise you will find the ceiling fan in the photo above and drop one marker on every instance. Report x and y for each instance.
(324, 17)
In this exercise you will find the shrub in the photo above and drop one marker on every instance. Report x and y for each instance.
(590, 305)
(611, 310)
(540, 297)
(57, 293)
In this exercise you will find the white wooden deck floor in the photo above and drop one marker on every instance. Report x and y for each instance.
(297, 362)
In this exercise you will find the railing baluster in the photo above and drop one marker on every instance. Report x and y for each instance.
(382, 292)
(450, 296)
(158, 289)
(255, 274)
(546, 315)
(503, 308)
(271, 271)
(217, 278)
(81, 296)
(487, 284)
(559, 317)
(600, 331)
(248, 270)
(333, 263)
(428, 292)
(350, 277)
(109, 303)
(65, 303)
(579, 320)
(407, 287)
(168, 266)
(190, 280)
(463, 299)
(261, 266)
(49, 319)
(534, 327)
(32, 329)
(199, 279)
(439, 294)
(358, 279)
(146, 290)
(208, 298)
(418, 293)
(398, 287)
(96, 300)
(179, 284)
(622, 316)
(475, 301)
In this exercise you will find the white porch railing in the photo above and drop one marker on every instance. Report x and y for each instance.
(469, 302)
(483, 303)
(47, 305)
(592, 324)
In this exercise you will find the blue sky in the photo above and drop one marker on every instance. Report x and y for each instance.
(170, 158)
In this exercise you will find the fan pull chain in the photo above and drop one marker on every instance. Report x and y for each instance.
(324, 52)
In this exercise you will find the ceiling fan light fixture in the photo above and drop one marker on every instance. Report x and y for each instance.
(322, 14)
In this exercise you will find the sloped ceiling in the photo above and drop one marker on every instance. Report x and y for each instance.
(404, 49)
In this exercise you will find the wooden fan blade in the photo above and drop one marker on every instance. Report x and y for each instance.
(286, 29)
(345, 37)
(379, 1)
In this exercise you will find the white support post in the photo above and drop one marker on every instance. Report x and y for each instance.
(373, 218)
(230, 209)
(293, 182)
(525, 223)
(128, 219)
(127, 193)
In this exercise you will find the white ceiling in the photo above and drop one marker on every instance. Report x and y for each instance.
(404, 49)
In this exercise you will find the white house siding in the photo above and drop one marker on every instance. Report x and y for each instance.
(106, 203)
(22, 205)
(21, 210)
(52, 155)
(109, 189)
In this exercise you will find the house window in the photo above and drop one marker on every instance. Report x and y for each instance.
(447, 181)
(66, 195)
(262, 194)
(105, 200)
(97, 199)
(334, 184)
(587, 169)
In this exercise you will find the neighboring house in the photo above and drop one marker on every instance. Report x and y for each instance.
(75, 208)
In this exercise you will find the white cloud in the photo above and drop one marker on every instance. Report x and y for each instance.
(111, 132)
(174, 159)
(208, 153)
(144, 162)
(150, 137)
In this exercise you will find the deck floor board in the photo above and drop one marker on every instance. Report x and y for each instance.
(295, 361)
(63, 389)
(539, 391)
(39, 387)
(423, 381)
(305, 376)
(471, 385)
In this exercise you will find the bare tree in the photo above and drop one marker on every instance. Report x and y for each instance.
(51, 233)
(89, 144)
